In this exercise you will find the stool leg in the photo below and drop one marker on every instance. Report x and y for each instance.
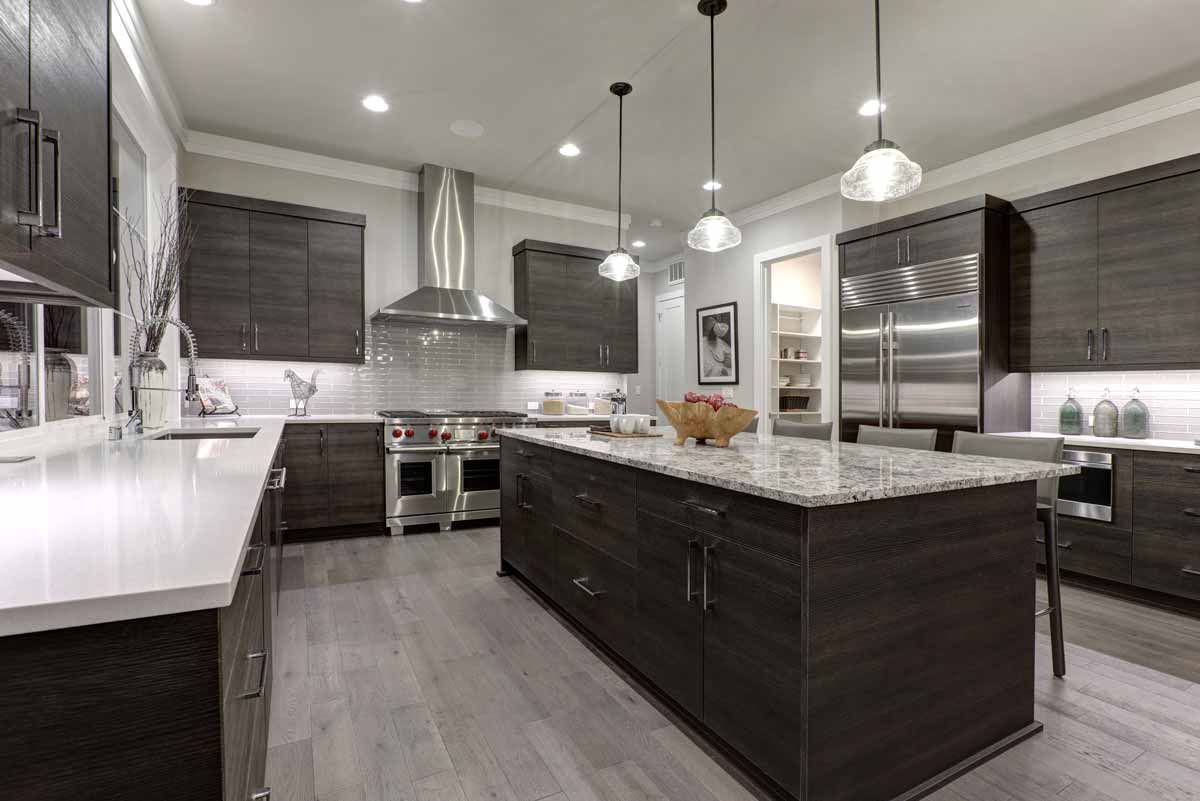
(1054, 591)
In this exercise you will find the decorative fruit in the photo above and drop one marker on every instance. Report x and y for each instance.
(695, 397)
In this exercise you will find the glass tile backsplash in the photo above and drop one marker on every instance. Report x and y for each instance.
(1172, 396)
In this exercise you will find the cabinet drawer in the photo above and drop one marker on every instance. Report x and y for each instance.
(231, 621)
(247, 675)
(758, 522)
(1166, 494)
(1093, 549)
(521, 457)
(598, 591)
(594, 501)
(1167, 563)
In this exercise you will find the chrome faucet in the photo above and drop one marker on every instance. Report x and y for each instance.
(192, 392)
(116, 432)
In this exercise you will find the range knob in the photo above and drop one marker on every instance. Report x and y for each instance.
(409, 432)
(446, 435)
(433, 433)
(483, 435)
(397, 433)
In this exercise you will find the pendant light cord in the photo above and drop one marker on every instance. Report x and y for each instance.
(712, 88)
(620, 159)
(878, 79)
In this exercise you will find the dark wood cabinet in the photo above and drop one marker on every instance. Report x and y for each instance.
(597, 590)
(577, 319)
(335, 476)
(335, 291)
(957, 235)
(269, 280)
(1054, 315)
(59, 50)
(278, 285)
(526, 525)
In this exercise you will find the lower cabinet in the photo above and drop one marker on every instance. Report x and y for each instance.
(335, 475)
(597, 590)
(1166, 523)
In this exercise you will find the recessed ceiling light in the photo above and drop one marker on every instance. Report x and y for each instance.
(712, 186)
(412, 1)
(570, 150)
(871, 108)
(466, 128)
(199, 2)
(656, 223)
(375, 103)
(637, 243)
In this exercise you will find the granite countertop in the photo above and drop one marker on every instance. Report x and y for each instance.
(800, 471)
(1118, 443)
(108, 531)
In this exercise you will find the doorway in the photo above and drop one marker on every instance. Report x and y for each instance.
(669, 378)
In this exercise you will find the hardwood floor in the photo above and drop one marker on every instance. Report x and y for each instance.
(407, 671)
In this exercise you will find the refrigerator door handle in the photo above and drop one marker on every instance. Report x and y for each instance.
(882, 397)
(891, 369)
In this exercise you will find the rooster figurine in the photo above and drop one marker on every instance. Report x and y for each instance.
(301, 390)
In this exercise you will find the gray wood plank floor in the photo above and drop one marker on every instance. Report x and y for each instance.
(405, 670)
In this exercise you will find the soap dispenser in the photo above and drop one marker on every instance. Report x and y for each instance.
(1105, 415)
(1070, 415)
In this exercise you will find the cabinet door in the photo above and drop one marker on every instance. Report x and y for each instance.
(1053, 299)
(278, 285)
(621, 329)
(14, 138)
(306, 496)
(585, 303)
(545, 310)
(754, 657)
(669, 630)
(1149, 287)
(335, 286)
(216, 280)
(68, 83)
(355, 460)
(942, 239)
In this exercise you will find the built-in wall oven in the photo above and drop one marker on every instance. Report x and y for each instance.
(443, 467)
(1089, 494)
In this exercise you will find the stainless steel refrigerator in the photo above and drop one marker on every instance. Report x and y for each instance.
(911, 346)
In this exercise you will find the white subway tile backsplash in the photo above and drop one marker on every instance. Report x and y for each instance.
(407, 366)
(1173, 397)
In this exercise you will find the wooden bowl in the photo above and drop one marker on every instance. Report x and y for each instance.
(699, 421)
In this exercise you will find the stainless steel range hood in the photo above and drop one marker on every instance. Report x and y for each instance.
(445, 268)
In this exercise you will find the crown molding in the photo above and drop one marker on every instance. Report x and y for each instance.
(206, 144)
(129, 31)
(1138, 114)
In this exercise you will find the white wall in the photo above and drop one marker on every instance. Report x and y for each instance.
(797, 282)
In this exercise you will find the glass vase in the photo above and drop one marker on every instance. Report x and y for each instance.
(1104, 423)
(1135, 418)
(153, 391)
(1070, 415)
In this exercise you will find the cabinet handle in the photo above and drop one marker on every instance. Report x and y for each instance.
(256, 337)
(534, 343)
(1104, 344)
(258, 691)
(278, 479)
(524, 453)
(263, 794)
(55, 231)
(608, 355)
(1062, 546)
(32, 216)
(245, 346)
(709, 551)
(897, 251)
(690, 594)
(322, 439)
(357, 342)
(1190, 571)
(1192, 469)
(601, 347)
(256, 568)
(1190, 512)
(582, 583)
(1091, 338)
(583, 499)
(907, 249)
(379, 442)
(708, 510)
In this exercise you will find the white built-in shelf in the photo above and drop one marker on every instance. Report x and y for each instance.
(789, 386)
(796, 361)
(807, 309)
(799, 334)
(798, 414)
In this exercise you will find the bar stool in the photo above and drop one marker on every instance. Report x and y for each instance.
(1034, 449)
(917, 439)
(788, 428)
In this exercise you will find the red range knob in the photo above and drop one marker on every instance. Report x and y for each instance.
(483, 435)
(433, 433)
(446, 435)
(493, 435)
(396, 433)
(409, 432)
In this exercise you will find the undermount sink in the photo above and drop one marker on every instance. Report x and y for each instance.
(209, 433)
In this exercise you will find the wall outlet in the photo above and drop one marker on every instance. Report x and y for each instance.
(531, 406)
(1091, 421)
(637, 389)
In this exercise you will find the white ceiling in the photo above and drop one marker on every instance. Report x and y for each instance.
(959, 78)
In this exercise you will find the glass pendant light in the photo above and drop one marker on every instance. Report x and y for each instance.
(619, 265)
(714, 232)
(882, 172)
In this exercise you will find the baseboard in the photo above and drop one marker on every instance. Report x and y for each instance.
(333, 532)
(1128, 592)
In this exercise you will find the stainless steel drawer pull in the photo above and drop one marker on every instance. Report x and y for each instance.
(1062, 546)
(583, 499)
(357, 342)
(1192, 512)
(1091, 339)
(32, 216)
(278, 479)
(261, 795)
(1104, 344)
(1190, 571)
(256, 568)
(690, 594)
(258, 691)
(55, 231)
(256, 337)
(244, 345)
(1192, 469)
(708, 510)
(708, 602)
(582, 583)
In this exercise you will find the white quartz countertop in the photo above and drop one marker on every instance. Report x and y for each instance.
(1118, 443)
(799, 471)
(121, 530)
(312, 418)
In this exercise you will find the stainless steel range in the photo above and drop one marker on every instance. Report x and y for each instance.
(443, 466)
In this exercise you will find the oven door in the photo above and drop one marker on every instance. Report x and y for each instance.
(417, 482)
(1090, 493)
(477, 470)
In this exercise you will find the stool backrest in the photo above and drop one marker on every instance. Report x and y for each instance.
(789, 428)
(918, 439)
(1033, 449)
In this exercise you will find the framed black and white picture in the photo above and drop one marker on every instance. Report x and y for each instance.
(717, 344)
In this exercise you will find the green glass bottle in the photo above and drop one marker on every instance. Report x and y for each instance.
(1135, 418)
(1104, 422)
(1070, 415)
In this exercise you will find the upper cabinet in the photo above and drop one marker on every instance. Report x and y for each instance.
(268, 280)
(933, 235)
(578, 320)
(54, 147)
(1104, 276)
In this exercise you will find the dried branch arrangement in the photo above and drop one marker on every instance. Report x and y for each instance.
(152, 278)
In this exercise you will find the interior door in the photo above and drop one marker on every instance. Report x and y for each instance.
(668, 346)
(862, 365)
(935, 359)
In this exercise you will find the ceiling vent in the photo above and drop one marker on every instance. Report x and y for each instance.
(675, 273)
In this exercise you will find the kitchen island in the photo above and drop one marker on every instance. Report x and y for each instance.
(849, 623)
